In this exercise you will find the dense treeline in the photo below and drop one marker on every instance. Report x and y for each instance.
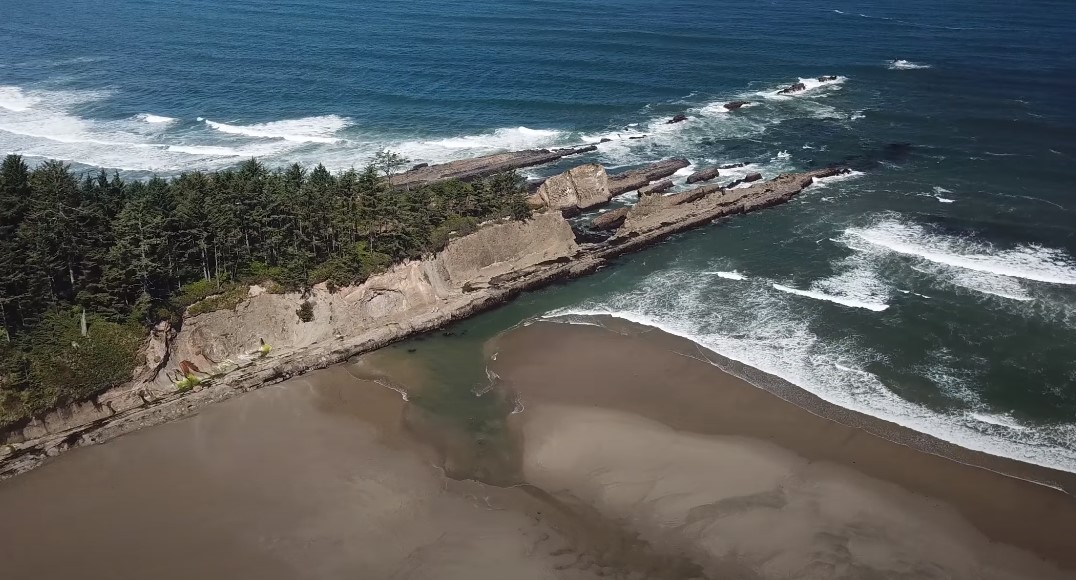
(86, 263)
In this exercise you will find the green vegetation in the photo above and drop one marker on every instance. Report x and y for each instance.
(305, 311)
(127, 254)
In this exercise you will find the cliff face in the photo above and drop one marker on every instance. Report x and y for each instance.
(226, 340)
(390, 298)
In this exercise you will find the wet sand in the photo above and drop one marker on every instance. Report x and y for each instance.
(637, 424)
(313, 478)
(629, 456)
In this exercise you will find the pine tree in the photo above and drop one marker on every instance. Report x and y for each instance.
(14, 198)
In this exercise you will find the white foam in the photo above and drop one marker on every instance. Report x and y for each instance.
(901, 64)
(812, 87)
(733, 275)
(999, 419)
(1026, 261)
(837, 299)
(767, 330)
(155, 119)
(820, 182)
(944, 199)
(319, 129)
(14, 99)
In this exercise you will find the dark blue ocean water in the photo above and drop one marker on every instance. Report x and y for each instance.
(936, 287)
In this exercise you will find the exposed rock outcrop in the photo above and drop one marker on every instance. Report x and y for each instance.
(609, 220)
(705, 174)
(677, 119)
(795, 88)
(479, 167)
(577, 189)
(636, 178)
(749, 178)
(657, 187)
(736, 105)
(663, 216)
(827, 78)
(732, 165)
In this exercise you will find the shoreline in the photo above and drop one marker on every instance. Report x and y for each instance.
(483, 282)
(921, 441)
(1016, 503)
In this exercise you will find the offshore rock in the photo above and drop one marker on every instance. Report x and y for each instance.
(792, 89)
(736, 105)
(677, 119)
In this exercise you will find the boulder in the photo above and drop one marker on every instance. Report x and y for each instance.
(705, 174)
(577, 189)
(792, 89)
(420, 166)
(638, 137)
(736, 105)
(663, 185)
(827, 78)
(677, 119)
(609, 220)
(605, 140)
(732, 166)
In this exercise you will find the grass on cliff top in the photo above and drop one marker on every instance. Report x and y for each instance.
(55, 365)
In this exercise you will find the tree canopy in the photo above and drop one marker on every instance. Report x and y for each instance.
(127, 254)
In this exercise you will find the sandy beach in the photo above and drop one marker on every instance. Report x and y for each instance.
(628, 455)
(637, 423)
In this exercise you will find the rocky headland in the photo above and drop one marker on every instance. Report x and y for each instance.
(230, 348)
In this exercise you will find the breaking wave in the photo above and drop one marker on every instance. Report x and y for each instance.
(155, 119)
(306, 130)
(767, 330)
(901, 64)
(1025, 262)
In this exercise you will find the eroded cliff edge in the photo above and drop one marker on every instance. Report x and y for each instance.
(473, 273)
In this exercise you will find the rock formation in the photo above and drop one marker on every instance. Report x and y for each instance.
(609, 220)
(732, 166)
(636, 178)
(677, 119)
(658, 187)
(479, 167)
(705, 174)
(792, 89)
(827, 78)
(574, 190)
(736, 105)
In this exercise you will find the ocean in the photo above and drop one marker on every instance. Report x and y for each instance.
(934, 287)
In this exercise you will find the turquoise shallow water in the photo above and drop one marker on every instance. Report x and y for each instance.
(936, 287)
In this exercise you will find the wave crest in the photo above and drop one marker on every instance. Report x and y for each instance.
(319, 129)
(901, 64)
